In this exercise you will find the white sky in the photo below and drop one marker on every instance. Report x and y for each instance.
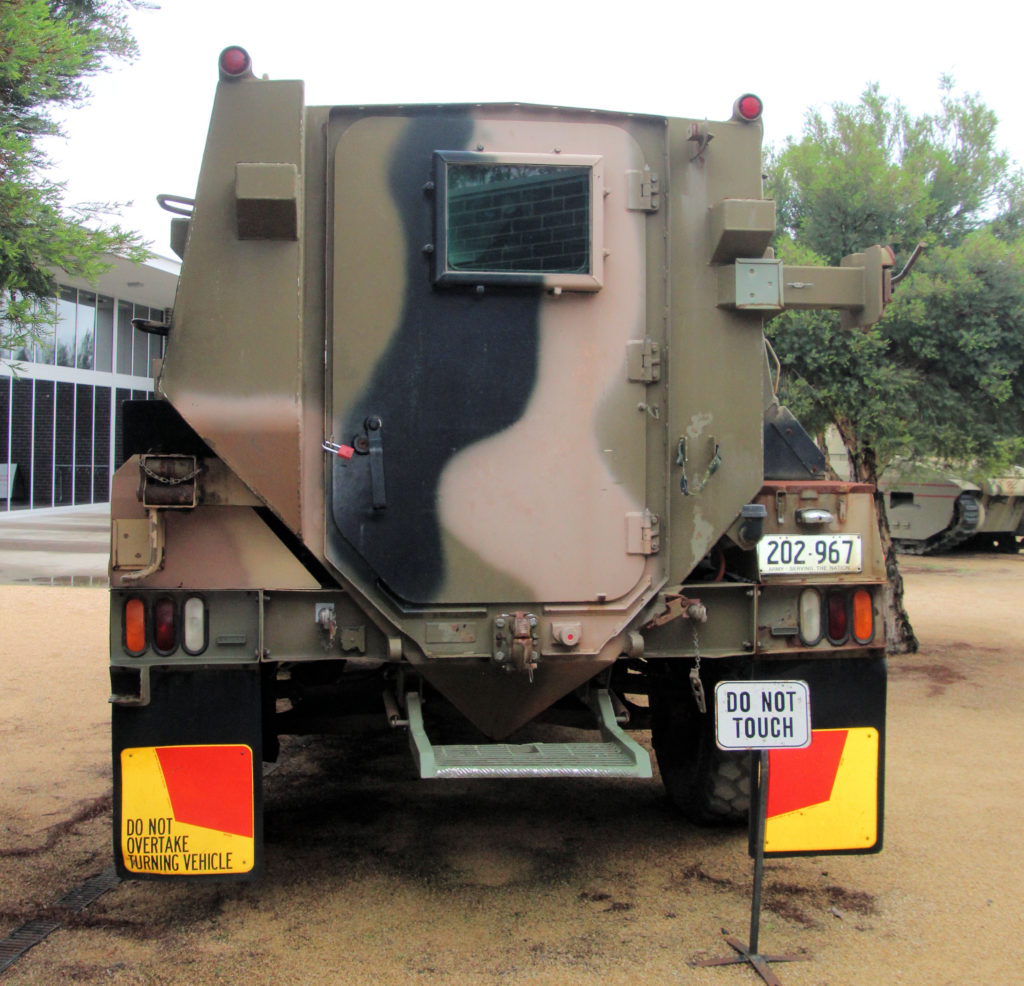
(143, 131)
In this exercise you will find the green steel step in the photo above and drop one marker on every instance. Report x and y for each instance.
(616, 755)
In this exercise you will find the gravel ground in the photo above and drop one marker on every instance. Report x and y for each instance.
(375, 876)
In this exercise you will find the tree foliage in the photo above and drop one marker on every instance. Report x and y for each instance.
(873, 173)
(940, 376)
(48, 51)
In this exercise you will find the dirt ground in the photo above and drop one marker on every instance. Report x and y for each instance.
(375, 876)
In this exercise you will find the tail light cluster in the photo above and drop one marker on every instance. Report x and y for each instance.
(836, 615)
(165, 625)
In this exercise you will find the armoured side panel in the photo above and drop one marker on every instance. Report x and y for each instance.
(715, 356)
(237, 316)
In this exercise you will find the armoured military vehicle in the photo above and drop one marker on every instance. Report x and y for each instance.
(932, 510)
(465, 412)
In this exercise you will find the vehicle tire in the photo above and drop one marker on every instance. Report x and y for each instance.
(708, 785)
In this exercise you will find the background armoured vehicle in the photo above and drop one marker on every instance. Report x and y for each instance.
(931, 510)
(466, 420)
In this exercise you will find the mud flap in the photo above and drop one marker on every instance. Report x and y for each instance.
(188, 799)
(828, 799)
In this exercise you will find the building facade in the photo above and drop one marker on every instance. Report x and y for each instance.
(60, 398)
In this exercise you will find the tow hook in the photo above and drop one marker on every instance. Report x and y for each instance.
(515, 642)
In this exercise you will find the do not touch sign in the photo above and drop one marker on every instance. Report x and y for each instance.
(762, 715)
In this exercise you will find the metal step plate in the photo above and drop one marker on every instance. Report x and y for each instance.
(616, 755)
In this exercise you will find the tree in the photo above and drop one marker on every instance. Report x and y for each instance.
(48, 49)
(940, 376)
(875, 174)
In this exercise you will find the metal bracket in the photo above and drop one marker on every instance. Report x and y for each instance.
(326, 621)
(701, 136)
(780, 506)
(156, 548)
(678, 606)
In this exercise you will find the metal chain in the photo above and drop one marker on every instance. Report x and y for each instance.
(696, 685)
(168, 481)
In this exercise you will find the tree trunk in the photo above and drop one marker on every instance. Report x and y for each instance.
(899, 634)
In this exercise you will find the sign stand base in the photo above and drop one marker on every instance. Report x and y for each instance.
(749, 954)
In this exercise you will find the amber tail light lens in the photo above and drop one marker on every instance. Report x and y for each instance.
(863, 617)
(134, 626)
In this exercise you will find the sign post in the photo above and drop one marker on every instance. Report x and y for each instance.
(760, 716)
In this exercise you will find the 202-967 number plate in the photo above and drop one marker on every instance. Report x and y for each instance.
(808, 554)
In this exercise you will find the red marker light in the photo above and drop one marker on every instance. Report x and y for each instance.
(748, 107)
(234, 62)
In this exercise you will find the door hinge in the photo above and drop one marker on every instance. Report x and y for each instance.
(643, 360)
(643, 530)
(643, 194)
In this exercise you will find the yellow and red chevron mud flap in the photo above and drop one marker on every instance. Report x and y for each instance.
(827, 798)
(824, 798)
(188, 800)
(187, 810)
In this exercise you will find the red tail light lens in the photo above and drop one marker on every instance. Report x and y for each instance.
(863, 617)
(748, 107)
(134, 626)
(165, 631)
(838, 618)
(234, 62)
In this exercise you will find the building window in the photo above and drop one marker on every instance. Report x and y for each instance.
(124, 337)
(60, 420)
(85, 331)
(66, 307)
(104, 334)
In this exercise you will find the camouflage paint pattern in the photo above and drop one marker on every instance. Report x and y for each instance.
(519, 460)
